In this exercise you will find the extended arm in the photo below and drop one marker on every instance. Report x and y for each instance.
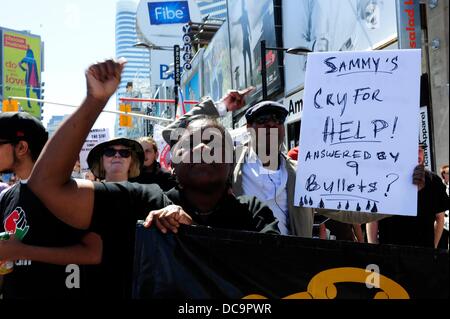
(233, 101)
(69, 200)
(87, 252)
(438, 228)
(372, 232)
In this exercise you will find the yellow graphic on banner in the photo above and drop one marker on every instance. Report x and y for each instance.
(323, 285)
(22, 69)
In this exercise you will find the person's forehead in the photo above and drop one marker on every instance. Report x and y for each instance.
(119, 146)
(146, 144)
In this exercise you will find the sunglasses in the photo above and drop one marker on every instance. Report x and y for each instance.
(263, 119)
(111, 152)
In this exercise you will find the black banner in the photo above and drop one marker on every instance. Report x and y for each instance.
(204, 263)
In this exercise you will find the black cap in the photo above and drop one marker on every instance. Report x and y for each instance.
(22, 126)
(265, 107)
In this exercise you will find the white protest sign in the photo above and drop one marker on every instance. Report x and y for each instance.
(358, 140)
(96, 136)
(163, 147)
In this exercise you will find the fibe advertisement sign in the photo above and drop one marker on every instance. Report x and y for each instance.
(169, 12)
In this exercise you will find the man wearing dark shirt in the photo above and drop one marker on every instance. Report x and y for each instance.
(204, 184)
(111, 209)
(43, 245)
(424, 230)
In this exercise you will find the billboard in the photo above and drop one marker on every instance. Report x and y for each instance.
(250, 22)
(161, 22)
(21, 65)
(217, 66)
(329, 25)
(191, 80)
(169, 12)
(162, 73)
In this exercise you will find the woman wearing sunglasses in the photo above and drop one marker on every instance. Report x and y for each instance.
(117, 160)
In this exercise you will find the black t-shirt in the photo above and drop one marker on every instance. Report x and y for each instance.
(117, 208)
(23, 213)
(159, 176)
(237, 213)
(417, 231)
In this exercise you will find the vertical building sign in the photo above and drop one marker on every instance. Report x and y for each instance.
(409, 27)
(424, 137)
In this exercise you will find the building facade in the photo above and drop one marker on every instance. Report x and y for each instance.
(215, 9)
(137, 70)
(54, 123)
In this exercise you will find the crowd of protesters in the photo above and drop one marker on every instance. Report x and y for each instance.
(59, 216)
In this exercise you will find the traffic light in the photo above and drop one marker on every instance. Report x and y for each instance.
(125, 120)
(10, 105)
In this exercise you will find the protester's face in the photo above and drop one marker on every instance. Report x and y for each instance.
(6, 157)
(150, 154)
(203, 165)
(445, 175)
(265, 126)
(117, 161)
(77, 167)
(90, 176)
(421, 156)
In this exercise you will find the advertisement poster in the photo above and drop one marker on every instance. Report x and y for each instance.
(217, 65)
(358, 137)
(329, 25)
(252, 21)
(191, 81)
(22, 69)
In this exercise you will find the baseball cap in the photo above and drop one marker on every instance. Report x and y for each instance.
(265, 107)
(21, 126)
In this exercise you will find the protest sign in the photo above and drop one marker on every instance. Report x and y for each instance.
(96, 136)
(358, 140)
(163, 148)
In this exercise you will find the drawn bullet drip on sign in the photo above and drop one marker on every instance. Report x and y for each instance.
(339, 206)
(347, 206)
(358, 208)
(374, 208)
(321, 204)
(306, 200)
(310, 201)
(301, 201)
(395, 126)
(368, 205)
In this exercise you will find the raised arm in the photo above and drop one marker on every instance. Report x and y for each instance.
(69, 200)
(233, 101)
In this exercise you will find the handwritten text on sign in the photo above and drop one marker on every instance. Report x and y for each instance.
(358, 141)
(96, 136)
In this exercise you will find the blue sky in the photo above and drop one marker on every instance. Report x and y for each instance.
(76, 34)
